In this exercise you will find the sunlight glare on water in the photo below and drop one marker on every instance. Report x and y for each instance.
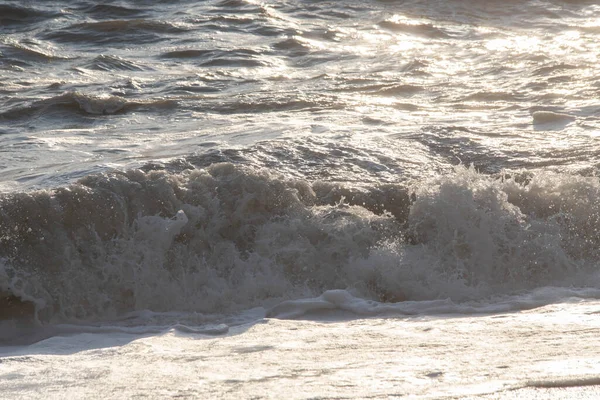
(357, 198)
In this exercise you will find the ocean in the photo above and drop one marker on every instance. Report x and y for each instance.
(299, 199)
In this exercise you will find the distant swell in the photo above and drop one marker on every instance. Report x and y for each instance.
(17, 15)
(219, 58)
(115, 32)
(113, 63)
(425, 30)
(21, 54)
(228, 238)
(109, 11)
(82, 103)
(546, 117)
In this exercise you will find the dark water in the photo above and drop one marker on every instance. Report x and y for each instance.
(220, 155)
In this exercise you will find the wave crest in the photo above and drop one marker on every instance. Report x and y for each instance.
(83, 103)
(227, 238)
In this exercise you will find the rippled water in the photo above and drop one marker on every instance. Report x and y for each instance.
(268, 151)
(397, 89)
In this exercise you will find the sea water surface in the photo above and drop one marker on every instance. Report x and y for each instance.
(353, 174)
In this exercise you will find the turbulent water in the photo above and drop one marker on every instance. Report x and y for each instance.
(211, 157)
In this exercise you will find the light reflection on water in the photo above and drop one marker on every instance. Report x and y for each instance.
(476, 70)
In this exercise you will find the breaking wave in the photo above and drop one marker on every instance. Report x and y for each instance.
(228, 238)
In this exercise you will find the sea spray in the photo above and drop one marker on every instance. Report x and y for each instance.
(229, 238)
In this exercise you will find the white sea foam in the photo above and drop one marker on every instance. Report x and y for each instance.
(229, 238)
(547, 352)
(297, 206)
